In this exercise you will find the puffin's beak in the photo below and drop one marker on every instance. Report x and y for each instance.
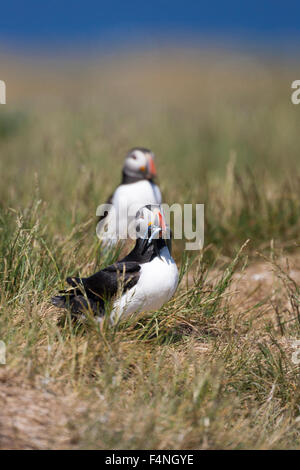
(151, 167)
(162, 223)
(159, 228)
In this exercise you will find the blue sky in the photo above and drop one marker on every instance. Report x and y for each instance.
(38, 22)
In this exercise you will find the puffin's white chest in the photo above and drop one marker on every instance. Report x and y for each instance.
(141, 193)
(156, 285)
(127, 200)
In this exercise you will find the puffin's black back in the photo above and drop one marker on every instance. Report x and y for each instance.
(104, 284)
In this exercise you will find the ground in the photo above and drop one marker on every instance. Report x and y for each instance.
(35, 417)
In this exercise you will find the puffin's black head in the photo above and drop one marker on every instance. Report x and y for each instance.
(139, 163)
(152, 228)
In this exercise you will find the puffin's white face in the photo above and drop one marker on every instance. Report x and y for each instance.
(140, 163)
(151, 223)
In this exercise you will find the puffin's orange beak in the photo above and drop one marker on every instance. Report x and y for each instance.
(162, 223)
(151, 167)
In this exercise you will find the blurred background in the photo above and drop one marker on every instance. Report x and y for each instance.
(205, 85)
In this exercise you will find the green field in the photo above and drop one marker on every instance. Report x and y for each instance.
(214, 368)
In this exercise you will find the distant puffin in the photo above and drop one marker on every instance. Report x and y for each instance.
(137, 189)
(142, 281)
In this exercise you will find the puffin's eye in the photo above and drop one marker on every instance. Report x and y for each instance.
(133, 157)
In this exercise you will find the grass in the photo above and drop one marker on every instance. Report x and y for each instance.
(213, 368)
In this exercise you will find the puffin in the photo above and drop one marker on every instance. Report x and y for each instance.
(137, 189)
(143, 281)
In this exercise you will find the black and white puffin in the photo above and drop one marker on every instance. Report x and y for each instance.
(137, 189)
(142, 281)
